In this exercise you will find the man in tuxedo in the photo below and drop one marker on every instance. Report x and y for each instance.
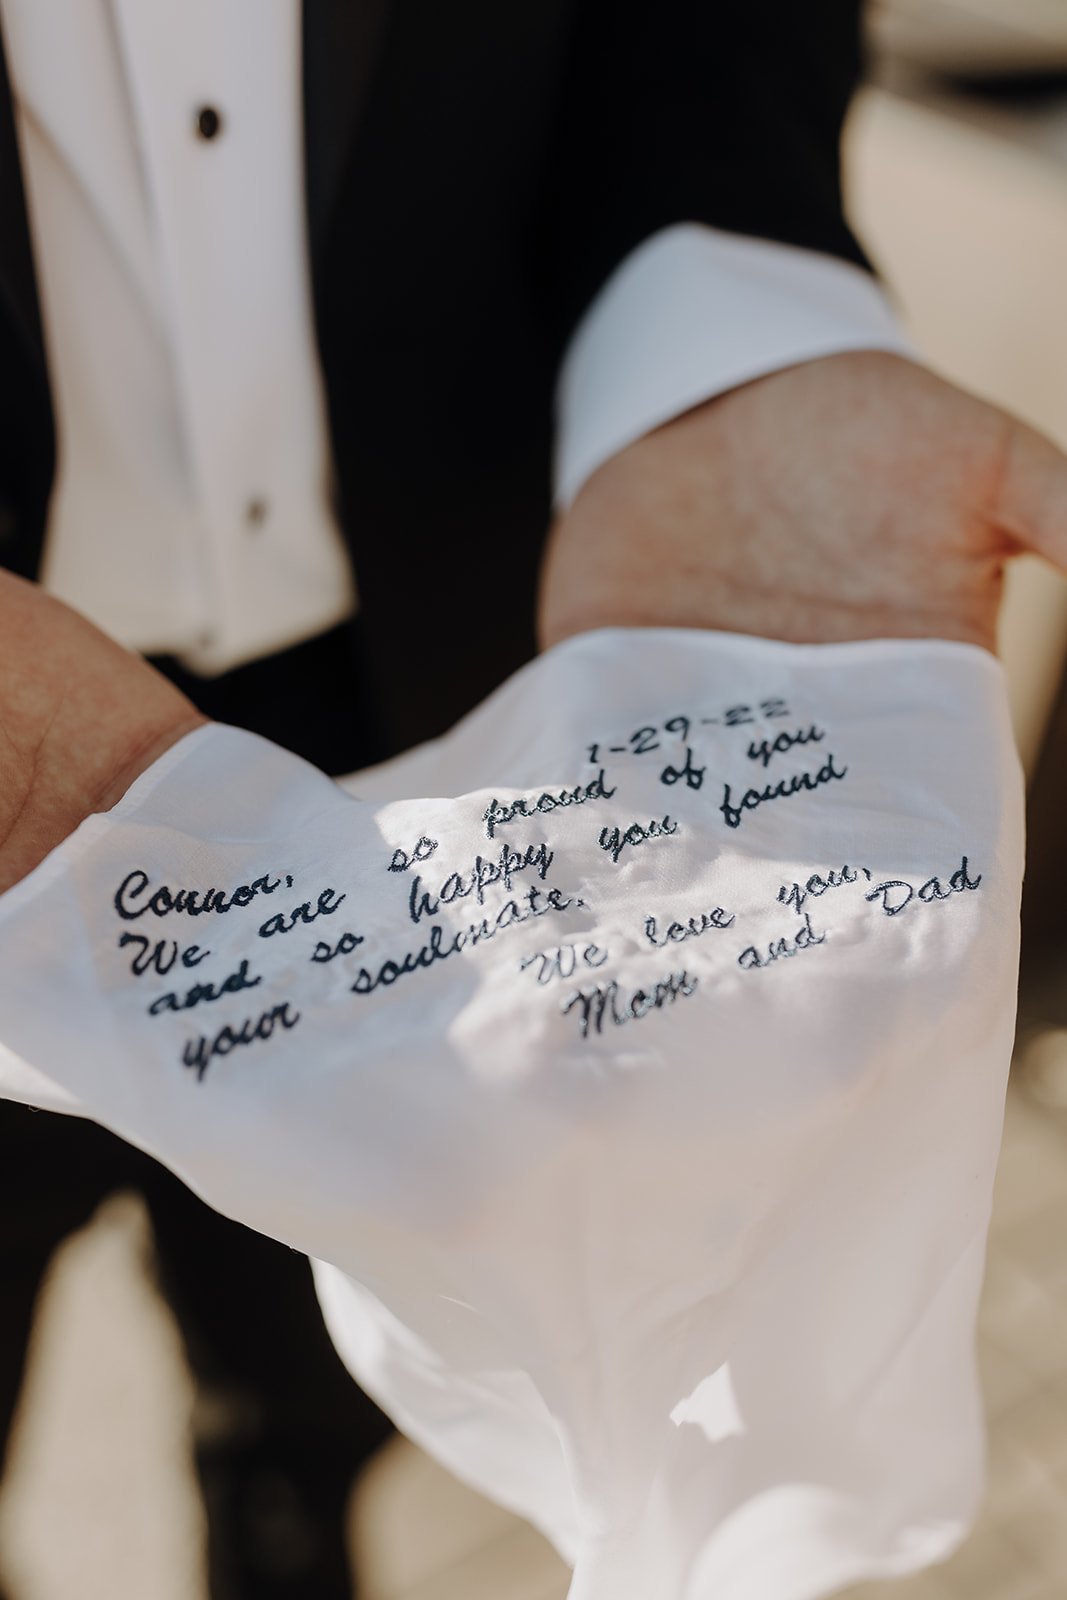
(305, 411)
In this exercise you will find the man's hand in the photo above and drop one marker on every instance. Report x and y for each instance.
(853, 497)
(80, 719)
(849, 498)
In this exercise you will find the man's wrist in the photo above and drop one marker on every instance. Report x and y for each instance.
(80, 719)
(852, 497)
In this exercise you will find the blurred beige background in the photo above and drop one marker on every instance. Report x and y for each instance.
(961, 193)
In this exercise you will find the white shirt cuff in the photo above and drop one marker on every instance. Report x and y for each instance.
(691, 313)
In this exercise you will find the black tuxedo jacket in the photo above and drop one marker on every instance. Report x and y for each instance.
(475, 170)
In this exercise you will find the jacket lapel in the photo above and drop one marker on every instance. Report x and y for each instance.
(18, 288)
(340, 42)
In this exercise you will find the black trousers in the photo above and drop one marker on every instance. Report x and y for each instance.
(280, 1428)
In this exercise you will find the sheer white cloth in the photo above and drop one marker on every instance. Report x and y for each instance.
(632, 1060)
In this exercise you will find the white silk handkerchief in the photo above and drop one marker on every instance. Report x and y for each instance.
(632, 1060)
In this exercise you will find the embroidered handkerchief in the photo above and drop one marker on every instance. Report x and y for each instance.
(632, 1061)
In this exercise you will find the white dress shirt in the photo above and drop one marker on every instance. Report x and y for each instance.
(191, 511)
